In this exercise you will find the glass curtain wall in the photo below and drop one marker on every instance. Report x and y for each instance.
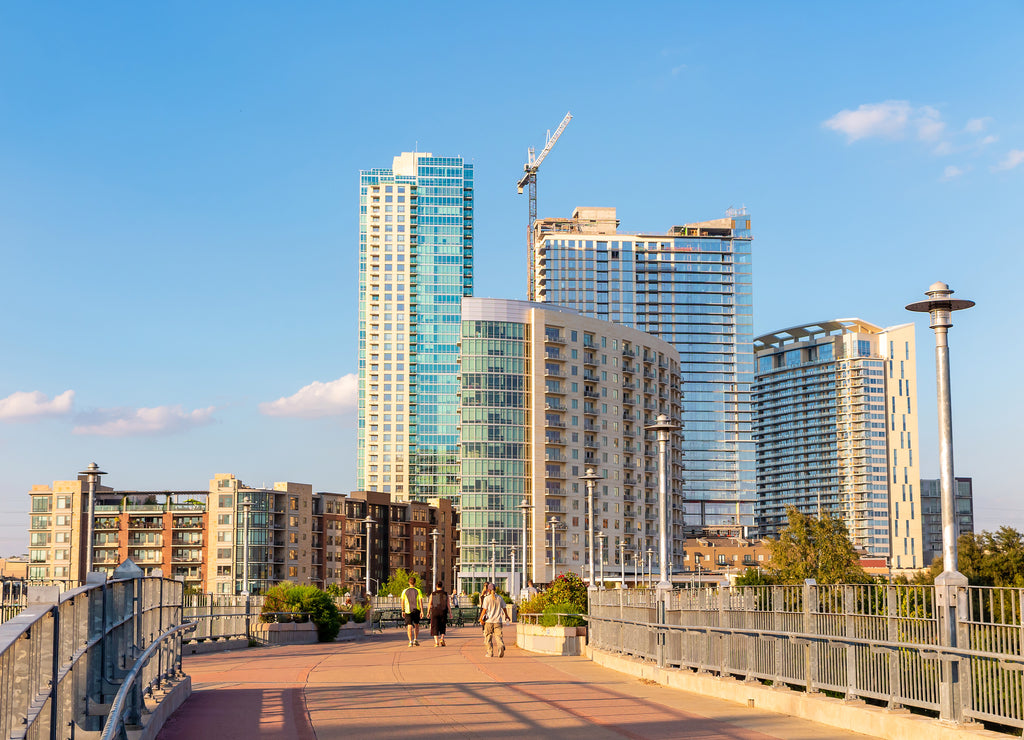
(495, 449)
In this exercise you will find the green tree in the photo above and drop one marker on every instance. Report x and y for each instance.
(987, 559)
(814, 547)
(397, 582)
(754, 577)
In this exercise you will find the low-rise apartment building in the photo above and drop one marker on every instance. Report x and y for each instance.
(208, 537)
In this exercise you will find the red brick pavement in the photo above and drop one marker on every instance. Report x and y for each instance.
(381, 688)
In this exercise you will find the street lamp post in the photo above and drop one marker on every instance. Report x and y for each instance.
(590, 477)
(493, 572)
(554, 524)
(434, 534)
(622, 559)
(601, 537)
(524, 506)
(246, 508)
(664, 427)
(638, 567)
(650, 568)
(92, 476)
(940, 307)
(369, 521)
(512, 590)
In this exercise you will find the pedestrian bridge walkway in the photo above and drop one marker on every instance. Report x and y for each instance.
(381, 688)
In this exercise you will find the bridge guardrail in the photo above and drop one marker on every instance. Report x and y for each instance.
(875, 642)
(63, 658)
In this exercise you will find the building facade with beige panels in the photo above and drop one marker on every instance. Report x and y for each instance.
(836, 432)
(294, 534)
(545, 394)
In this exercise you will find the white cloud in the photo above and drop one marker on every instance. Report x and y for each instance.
(990, 139)
(929, 123)
(942, 148)
(145, 421)
(678, 69)
(888, 119)
(34, 404)
(892, 119)
(976, 125)
(317, 399)
(1012, 159)
(950, 172)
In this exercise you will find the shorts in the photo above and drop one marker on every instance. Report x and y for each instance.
(412, 617)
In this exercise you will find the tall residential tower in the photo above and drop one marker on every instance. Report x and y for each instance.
(835, 423)
(415, 266)
(691, 288)
(547, 394)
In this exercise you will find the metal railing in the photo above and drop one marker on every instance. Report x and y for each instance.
(64, 657)
(875, 642)
(220, 617)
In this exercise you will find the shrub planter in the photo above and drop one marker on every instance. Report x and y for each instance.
(287, 633)
(551, 640)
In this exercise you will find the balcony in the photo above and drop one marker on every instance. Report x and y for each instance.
(551, 338)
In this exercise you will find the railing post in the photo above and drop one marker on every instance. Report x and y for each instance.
(950, 593)
(892, 605)
(778, 605)
(723, 621)
(811, 628)
(849, 622)
(964, 700)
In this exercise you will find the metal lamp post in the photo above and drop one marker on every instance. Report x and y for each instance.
(601, 537)
(664, 427)
(92, 476)
(590, 478)
(638, 567)
(434, 534)
(512, 591)
(554, 524)
(246, 508)
(369, 521)
(524, 506)
(622, 559)
(493, 572)
(940, 307)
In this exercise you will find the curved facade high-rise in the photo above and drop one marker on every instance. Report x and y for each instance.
(835, 426)
(545, 394)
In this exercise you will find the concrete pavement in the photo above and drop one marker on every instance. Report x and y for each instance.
(381, 688)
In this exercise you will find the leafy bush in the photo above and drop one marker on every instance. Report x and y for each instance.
(568, 589)
(287, 598)
(550, 618)
(359, 612)
(475, 598)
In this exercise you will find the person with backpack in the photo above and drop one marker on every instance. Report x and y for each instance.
(437, 608)
(492, 609)
(412, 604)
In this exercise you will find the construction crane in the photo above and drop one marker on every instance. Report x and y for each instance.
(529, 180)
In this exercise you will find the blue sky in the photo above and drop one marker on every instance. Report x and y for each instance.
(179, 183)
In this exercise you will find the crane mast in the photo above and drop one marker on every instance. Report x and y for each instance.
(529, 181)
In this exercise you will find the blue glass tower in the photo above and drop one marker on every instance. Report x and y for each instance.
(691, 288)
(415, 266)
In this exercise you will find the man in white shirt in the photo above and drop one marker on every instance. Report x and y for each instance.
(492, 610)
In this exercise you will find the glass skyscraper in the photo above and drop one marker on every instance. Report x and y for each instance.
(415, 266)
(835, 424)
(691, 288)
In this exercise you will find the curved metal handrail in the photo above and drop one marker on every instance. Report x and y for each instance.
(117, 707)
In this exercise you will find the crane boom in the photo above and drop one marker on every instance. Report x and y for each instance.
(529, 180)
(530, 168)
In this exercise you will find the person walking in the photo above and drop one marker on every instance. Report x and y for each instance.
(438, 607)
(492, 612)
(412, 605)
(530, 591)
